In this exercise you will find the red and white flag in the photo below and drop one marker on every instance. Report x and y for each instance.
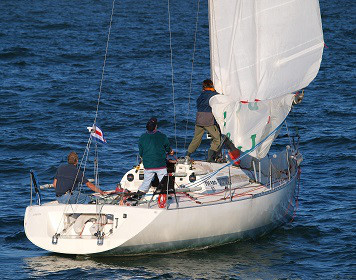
(97, 134)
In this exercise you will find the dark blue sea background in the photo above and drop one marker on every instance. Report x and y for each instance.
(51, 60)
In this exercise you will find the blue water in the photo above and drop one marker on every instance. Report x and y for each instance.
(51, 57)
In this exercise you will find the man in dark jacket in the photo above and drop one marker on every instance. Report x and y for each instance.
(205, 121)
(66, 182)
(153, 148)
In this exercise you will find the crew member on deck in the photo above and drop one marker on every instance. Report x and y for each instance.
(205, 121)
(66, 182)
(153, 148)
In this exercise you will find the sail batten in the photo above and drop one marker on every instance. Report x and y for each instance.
(261, 50)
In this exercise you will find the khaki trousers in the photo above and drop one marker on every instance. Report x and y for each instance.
(198, 135)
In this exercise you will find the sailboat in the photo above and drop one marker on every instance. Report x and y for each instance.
(263, 53)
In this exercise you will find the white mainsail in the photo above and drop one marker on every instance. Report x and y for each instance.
(261, 52)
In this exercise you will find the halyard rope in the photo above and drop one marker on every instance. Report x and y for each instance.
(191, 74)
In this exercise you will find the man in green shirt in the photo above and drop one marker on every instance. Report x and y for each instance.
(153, 149)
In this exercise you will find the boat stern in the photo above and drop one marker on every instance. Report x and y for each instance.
(58, 227)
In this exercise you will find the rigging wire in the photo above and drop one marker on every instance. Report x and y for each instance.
(288, 134)
(96, 165)
(191, 75)
(85, 155)
(171, 58)
(104, 64)
(99, 95)
(100, 88)
(84, 158)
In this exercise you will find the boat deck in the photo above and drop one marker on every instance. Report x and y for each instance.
(194, 199)
(210, 187)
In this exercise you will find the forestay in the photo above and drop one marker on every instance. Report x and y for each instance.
(261, 52)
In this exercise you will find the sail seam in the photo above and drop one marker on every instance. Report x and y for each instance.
(294, 56)
(272, 56)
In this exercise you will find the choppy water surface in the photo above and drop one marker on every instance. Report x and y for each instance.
(51, 57)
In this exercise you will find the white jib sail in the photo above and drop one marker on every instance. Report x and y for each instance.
(261, 52)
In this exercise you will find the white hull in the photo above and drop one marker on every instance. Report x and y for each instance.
(212, 225)
(129, 230)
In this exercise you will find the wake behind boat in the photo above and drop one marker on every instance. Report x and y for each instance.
(260, 58)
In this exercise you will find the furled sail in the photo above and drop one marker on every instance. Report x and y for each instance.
(261, 52)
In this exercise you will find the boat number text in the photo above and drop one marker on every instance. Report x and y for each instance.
(211, 184)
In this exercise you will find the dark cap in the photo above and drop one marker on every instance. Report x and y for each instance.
(151, 124)
(208, 83)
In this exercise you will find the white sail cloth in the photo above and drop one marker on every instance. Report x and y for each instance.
(252, 122)
(261, 50)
